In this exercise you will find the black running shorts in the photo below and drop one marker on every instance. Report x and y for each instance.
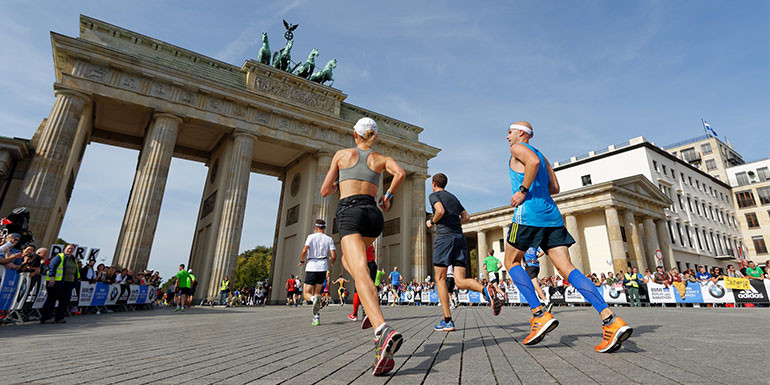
(450, 249)
(523, 237)
(359, 214)
(315, 277)
(185, 291)
(532, 271)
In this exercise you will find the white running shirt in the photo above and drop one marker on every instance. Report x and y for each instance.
(319, 246)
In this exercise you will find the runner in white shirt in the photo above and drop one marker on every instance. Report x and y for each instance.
(317, 246)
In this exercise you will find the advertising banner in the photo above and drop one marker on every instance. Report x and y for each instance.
(572, 295)
(425, 297)
(474, 297)
(86, 293)
(391, 297)
(101, 291)
(409, 296)
(661, 293)
(75, 296)
(613, 294)
(133, 294)
(9, 278)
(462, 296)
(434, 296)
(113, 295)
(22, 288)
(152, 291)
(125, 292)
(556, 294)
(41, 296)
(512, 294)
(717, 293)
(757, 293)
(692, 293)
(737, 283)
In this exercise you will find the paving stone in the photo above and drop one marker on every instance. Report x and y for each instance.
(274, 345)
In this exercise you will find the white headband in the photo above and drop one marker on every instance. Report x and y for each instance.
(522, 128)
(365, 124)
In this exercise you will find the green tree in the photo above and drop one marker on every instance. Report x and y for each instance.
(253, 265)
(474, 270)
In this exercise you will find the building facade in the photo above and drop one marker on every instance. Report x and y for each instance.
(625, 202)
(751, 191)
(707, 153)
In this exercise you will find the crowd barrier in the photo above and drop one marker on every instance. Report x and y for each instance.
(19, 292)
(754, 292)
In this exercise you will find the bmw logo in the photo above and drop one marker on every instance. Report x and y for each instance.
(614, 294)
(114, 293)
(717, 291)
(22, 290)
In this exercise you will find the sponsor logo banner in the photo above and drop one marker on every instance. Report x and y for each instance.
(113, 295)
(462, 296)
(22, 287)
(474, 297)
(9, 278)
(42, 295)
(717, 293)
(101, 291)
(142, 297)
(133, 294)
(613, 294)
(737, 283)
(572, 295)
(757, 293)
(86, 293)
(692, 293)
(556, 294)
(661, 293)
(391, 297)
(513, 294)
(434, 296)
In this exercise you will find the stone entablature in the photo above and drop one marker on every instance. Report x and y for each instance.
(78, 68)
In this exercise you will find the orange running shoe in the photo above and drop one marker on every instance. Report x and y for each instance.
(613, 336)
(540, 327)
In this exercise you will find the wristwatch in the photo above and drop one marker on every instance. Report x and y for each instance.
(431, 222)
(523, 189)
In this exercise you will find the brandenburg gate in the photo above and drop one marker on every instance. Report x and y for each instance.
(121, 88)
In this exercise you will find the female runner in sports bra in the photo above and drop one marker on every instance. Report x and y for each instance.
(360, 221)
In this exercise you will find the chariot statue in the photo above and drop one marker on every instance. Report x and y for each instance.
(282, 58)
(264, 53)
(326, 74)
(306, 69)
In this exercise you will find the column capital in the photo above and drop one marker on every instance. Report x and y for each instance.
(167, 116)
(244, 134)
(75, 94)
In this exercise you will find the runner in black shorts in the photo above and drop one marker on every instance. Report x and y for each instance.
(360, 221)
(450, 249)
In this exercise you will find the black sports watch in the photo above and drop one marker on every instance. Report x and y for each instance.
(523, 189)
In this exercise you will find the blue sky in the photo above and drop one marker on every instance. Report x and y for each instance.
(586, 74)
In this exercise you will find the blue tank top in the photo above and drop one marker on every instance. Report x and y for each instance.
(530, 257)
(538, 208)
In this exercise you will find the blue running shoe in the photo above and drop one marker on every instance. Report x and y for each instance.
(444, 326)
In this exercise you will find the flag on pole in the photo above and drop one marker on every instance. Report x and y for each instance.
(709, 129)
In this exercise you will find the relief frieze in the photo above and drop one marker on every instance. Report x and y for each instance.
(291, 93)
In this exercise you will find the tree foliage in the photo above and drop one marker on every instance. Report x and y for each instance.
(253, 265)
(474, 270)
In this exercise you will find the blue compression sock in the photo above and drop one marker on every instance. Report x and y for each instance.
(524, 284)
(587, 289)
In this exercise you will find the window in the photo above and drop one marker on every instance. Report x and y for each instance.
(697, 208)
(711, 164)
(706, 241)
(705, 213)
(742, 178)
(751, 220)
(690, 155)
(711, 211)
(705, 148)
(681, 175)
(671, 233)
(679, 197)
(501, 244)
(687, 231)
(697, 237)
(655, 165)
(759, 244)
(714, 245)
(745, 199)
(764, 195)
(586, 179)
(697, 184)
(664, 168)
(679, 233)
(689, 178)
(763, 173)
(721, 216)
(673, 174)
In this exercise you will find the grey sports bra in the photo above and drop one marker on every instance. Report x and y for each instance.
(360, 171)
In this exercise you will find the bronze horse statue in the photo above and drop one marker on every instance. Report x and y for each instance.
(306, 68)
(326, 74)
(264, 53)
(282, 58)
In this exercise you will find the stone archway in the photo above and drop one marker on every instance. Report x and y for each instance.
(119, 87)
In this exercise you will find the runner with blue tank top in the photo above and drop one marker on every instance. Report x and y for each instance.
(532, 266)
(537, 222)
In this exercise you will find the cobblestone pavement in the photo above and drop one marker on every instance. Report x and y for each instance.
(277, 344)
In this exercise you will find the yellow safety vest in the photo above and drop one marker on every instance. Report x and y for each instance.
(224, 285)
(631, 280)
(60, 269)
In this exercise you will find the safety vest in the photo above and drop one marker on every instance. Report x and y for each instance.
(60, 269)
(224, 285)
(631, 280)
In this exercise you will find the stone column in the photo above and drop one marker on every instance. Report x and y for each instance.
(419, 254)
(634, 240)
(141, 218)
(321, 206)
(481, 250)
(617, 250)
(651, 242)
(45, 176)
(228, 239)
(575, 252)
